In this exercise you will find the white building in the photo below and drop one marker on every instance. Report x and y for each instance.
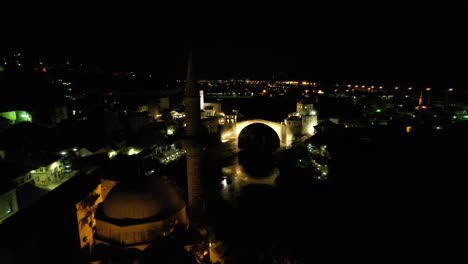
(306, 111)
(302, 121)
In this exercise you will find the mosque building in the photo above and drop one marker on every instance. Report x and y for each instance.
(137, 214)
(140, 215)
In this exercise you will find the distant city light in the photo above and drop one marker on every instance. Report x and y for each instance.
(224, 183)
(132, 151)
(112, 154)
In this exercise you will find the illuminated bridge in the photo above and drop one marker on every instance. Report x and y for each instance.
(284, 134)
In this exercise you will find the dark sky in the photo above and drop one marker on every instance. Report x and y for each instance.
(336, 39)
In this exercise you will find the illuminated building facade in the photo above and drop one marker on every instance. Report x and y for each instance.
(302, 121)
(16, 117)
(8, 204)
(85, 214)
(308, 115)
(202, 100)
(212, 109)
(294, 124)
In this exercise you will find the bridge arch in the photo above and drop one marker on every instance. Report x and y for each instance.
(284, 134)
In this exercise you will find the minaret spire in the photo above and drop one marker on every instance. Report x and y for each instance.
(191, 102)
(192, 146)
(420, 100)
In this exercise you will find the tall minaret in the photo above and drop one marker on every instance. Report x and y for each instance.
(192, 146)
(420, 100)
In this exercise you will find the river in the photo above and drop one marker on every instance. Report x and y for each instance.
(260, 211)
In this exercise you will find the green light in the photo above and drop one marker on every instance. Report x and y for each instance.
(378, 110)
(23, 116)
(17, 116)
(9, 115)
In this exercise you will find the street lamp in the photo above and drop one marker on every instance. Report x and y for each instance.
(449, 90)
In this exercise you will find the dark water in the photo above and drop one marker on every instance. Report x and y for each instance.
(258, 207)
(261, 213)
(377, 204)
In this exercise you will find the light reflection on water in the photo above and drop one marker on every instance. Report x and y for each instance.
(234, 179)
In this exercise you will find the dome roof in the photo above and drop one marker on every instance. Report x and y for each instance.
(148, 197)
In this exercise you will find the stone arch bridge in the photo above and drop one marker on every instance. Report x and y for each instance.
(284, 134)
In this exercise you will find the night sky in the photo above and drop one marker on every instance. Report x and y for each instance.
(335, 39)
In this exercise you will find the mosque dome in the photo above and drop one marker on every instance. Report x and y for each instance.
(147, 198)
(138, 212)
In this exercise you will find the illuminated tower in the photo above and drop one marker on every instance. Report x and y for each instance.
(420, 100)
(308, 116)
(191, 143)
(202, 100)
